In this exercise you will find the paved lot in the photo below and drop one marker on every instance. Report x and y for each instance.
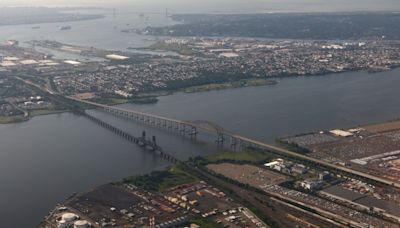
(248, 174)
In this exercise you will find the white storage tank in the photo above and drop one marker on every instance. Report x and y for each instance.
(81, 224)
(69, 217)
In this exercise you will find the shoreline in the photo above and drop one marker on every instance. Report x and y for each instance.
(59, 12)
(153, 96)
(21, 119)
(252, 82)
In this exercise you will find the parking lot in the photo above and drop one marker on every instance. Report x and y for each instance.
(248, 174)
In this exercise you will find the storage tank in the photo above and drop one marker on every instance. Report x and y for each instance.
(81, 224)
(69, 217)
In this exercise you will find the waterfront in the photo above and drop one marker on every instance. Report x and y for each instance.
(293, 106)
(53, 156)
(88, 33)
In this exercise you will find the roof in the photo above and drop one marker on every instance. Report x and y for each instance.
(117, 57)
(28, 62)
(342, 133)
(72, 62)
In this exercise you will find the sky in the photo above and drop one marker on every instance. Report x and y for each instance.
(223, 5)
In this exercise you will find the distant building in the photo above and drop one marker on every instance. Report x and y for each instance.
(123, 93)
(229, 55)
(311, 184)
(271, 164)
(117, 57)
(72, 62)
(299, 169)
(341, 133)
(324, 176)
(11, 43)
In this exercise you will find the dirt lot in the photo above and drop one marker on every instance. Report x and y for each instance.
(383, 127)
(248, 174)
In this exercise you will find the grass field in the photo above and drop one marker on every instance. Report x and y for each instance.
(42, 112)
(245, 156)
(180, 49)
(11, 119)
(159, 180)
(229, 85)
(109, 101)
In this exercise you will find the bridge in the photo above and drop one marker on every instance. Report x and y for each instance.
(190, 129)
(185, 128)
(141, 141)
(235, 141)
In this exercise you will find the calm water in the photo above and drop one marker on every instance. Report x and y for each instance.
(44, 160)
(295, 105)
(101, 33)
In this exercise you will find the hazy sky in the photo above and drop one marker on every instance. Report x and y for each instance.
(223, 5)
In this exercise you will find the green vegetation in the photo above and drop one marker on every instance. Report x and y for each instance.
(42, 112)
(143, 100)
(159, 180)
(230, 85)
(11, 119)
(32, 113)
(293, 147)
(318, 26)
(242, 156)
(110, 101)
(180, 49)
(158, 93)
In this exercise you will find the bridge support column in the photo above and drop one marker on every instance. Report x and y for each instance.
(220, 139)
(193, 132)
(234, 143)
(182, 128)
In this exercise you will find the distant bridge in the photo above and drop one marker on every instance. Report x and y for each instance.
(236, 142)
(141, 141)
(186, 128)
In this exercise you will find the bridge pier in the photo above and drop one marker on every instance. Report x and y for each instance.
(220, 139)
(182, 128)
(193, 132)
(234, 143)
